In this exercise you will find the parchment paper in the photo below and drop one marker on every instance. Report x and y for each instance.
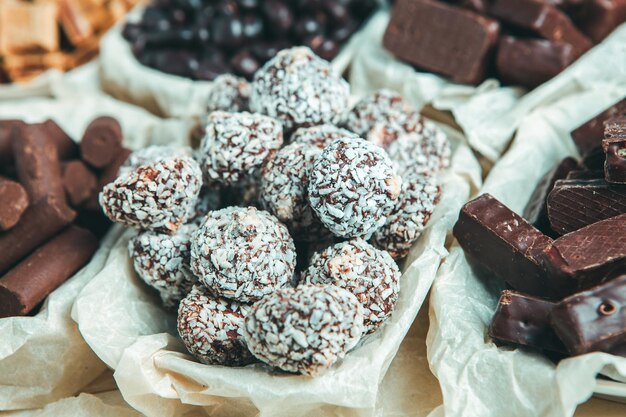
(489, 113)
(43, 357)
(121, 319)
(477, 378)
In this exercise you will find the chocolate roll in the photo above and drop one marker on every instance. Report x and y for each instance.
(589, 135)
(7, 130)
(39, 223)
(102, 142)
(13, 203)
(79, 182)
(66, 147)
(26, 285)
(593, 320)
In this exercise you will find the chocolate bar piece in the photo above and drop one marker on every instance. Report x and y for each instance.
(26, 285)
(543, 19)
(536, 211)
(524, 320)
(79, 182)
(588, 256)
(574, 204)
(598, 18)
(102, 142)
(593, 320)
(498, 240)
(585, 174)
(39, 223)
(589, 135)
(531, 62)
(13, 203)
(441, 38)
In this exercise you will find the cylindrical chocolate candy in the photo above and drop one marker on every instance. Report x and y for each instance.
(13, 203)
(109, 174)
(39, 223)
(7, 130)
(102, 142)
(79, 182)
(66, 147)
(26, 285)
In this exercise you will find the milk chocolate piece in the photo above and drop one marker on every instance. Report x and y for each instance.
(79, 182)
(593, 320)
(588, 256)
(102, 142)
(498, 240)
(39, 223)
(598, 18)
(531, 62)
(13, 203)
(26, 285)
(585, 174)
(536, 211)
(589, 135)
(543, 19)
(524, 320)
(441, 38)
(574, 204)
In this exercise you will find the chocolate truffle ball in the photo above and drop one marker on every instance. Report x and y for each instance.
(426, 150)
(162, 261)
(284, 191)
(300, 89)
(152, 154)
(212, 328)
(305, 329)
(418, 198)
(321, 136)
(156, 197)
(368, 273)
(353, 187)
(243, 254)
(237, 144)
(229, 93)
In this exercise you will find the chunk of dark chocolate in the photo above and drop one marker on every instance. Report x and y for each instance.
(102, 142)
(593, 320)
(498, 240)
(536, 211)
(524, 320)
(598, 18)
(574, 204)
(614, 146)
(13, 203)
(589, 135)
(441, 38)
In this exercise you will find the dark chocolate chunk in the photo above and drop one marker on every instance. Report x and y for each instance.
(13, 203)
(614, 146)
(574, 204)
(598, 18)
(441, 38)
(79, 182)
(594, 160)
(102, 142)
(615, 127)
(498, 240)
(589, 135)
(593, 320)
(524, 320)
(26, 285)
(531, 62)
(536, 211)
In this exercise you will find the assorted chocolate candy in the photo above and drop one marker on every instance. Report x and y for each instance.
(203, 39)
(276, 239)
(522, 42)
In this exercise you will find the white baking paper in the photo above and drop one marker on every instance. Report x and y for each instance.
(477, 378)
(488, 113)
(123, 322)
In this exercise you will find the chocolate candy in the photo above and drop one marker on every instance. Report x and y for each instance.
(531, 62)
(101, 142)
(66, 147)
(7, 130)
(108, 175)
(589, 135)
(13, 203)
(574, 204)
(524, 320)
(615, 127)
(79, 182)
(536, 211)
(496, 239)
(26, 285)
(39, 223)
(598, 18)
(593, 320)
(424, 32)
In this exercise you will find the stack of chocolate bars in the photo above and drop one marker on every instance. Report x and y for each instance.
(522, 42)
(49, 214)
(564, 261)
(39, 35)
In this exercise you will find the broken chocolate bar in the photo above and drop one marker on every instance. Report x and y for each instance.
(589, 135)
(593, 320)
(498, 240)
(13, 203)
(574, 204)
(441, 38)
(102, 142)
(524, 320)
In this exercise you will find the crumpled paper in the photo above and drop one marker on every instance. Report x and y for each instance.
(477, 378)
(122, 320)
(43, 357)
(163, 94)
(489, 113)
